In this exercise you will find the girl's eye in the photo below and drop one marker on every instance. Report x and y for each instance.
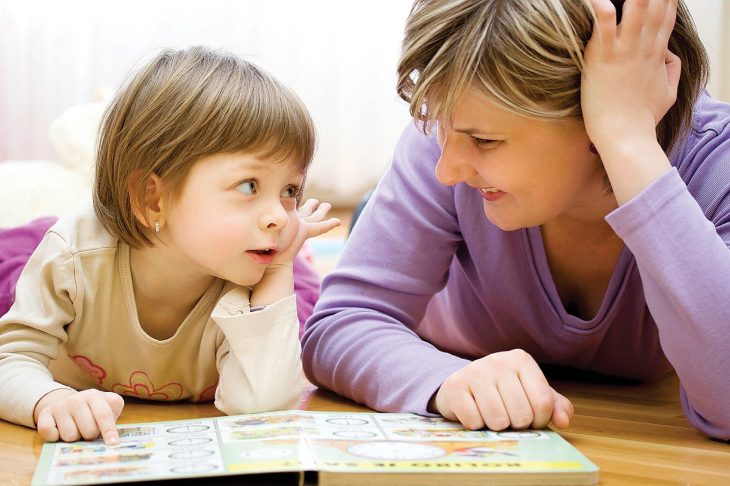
(249, 187)
(291, 191)
(484, 142)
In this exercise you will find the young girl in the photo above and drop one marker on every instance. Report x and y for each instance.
(178, 285)
(603, 170)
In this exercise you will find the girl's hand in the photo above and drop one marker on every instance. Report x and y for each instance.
(630, 77)
(311, 223)
(501, 390)
(71, 415)
(278, 279)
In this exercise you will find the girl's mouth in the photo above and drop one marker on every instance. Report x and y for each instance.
(263, 256)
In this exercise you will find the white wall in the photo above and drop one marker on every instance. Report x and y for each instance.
(339, 56)
(712, 18)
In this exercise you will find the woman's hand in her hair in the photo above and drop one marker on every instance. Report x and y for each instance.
(630, 77)
(312, 222)
(501, 390)
(71, 415)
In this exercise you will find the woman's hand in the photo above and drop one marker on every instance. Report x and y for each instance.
(630, 77)
(628, 84)
(501, 390)
(71, 415)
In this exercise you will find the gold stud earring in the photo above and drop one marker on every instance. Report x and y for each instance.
(157, 226)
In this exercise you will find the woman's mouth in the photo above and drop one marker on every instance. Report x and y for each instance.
(263, 256)
(491, 193)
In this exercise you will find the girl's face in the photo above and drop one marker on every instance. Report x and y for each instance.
(234, 213)
(528, 171)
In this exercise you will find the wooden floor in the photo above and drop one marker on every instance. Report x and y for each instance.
(635, 433)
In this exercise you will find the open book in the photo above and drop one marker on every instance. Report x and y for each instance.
(342, 448)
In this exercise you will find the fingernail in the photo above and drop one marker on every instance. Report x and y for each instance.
(113, 438)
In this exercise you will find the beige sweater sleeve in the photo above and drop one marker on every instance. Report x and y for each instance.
(33, 328)
(259, 361)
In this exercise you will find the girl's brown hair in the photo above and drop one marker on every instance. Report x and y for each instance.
(526, 56)
(179, 107)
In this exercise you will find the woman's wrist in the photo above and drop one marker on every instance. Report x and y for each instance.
(632, 164)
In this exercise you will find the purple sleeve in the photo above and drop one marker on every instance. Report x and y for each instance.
(360, 342)
(684, 262)
(306, 286)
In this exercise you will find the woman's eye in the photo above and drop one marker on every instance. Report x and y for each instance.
(247, 187)
(483, 142)
(291, 191)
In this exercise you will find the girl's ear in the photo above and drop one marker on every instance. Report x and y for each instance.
(149, 207)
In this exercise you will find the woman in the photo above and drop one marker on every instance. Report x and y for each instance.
(603, 170)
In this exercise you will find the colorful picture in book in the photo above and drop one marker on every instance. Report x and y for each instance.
(251, 434)
(404, 450)
(97, 475)
(97, 460)
(271, 420)
(451, 434)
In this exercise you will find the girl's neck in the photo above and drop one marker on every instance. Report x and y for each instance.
(163, 284)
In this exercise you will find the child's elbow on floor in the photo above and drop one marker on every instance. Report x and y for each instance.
(279, 399)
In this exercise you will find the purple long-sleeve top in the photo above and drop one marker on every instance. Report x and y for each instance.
(426, 283)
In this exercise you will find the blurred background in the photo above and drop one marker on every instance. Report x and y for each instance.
(339, 56)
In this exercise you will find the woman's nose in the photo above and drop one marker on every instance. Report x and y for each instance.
(452, 166)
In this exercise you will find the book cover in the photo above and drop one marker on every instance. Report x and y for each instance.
(343, 448)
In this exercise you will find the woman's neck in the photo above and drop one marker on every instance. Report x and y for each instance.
(588, 213)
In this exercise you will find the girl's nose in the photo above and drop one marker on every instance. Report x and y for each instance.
(453, 166)
(274, 217)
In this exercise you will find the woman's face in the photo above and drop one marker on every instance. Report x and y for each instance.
(528, 171)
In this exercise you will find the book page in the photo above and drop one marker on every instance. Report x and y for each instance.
(146, 451)
(390, 442)
(295, 440)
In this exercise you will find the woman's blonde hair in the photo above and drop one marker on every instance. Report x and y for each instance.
(525, 55)
(179, 107)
